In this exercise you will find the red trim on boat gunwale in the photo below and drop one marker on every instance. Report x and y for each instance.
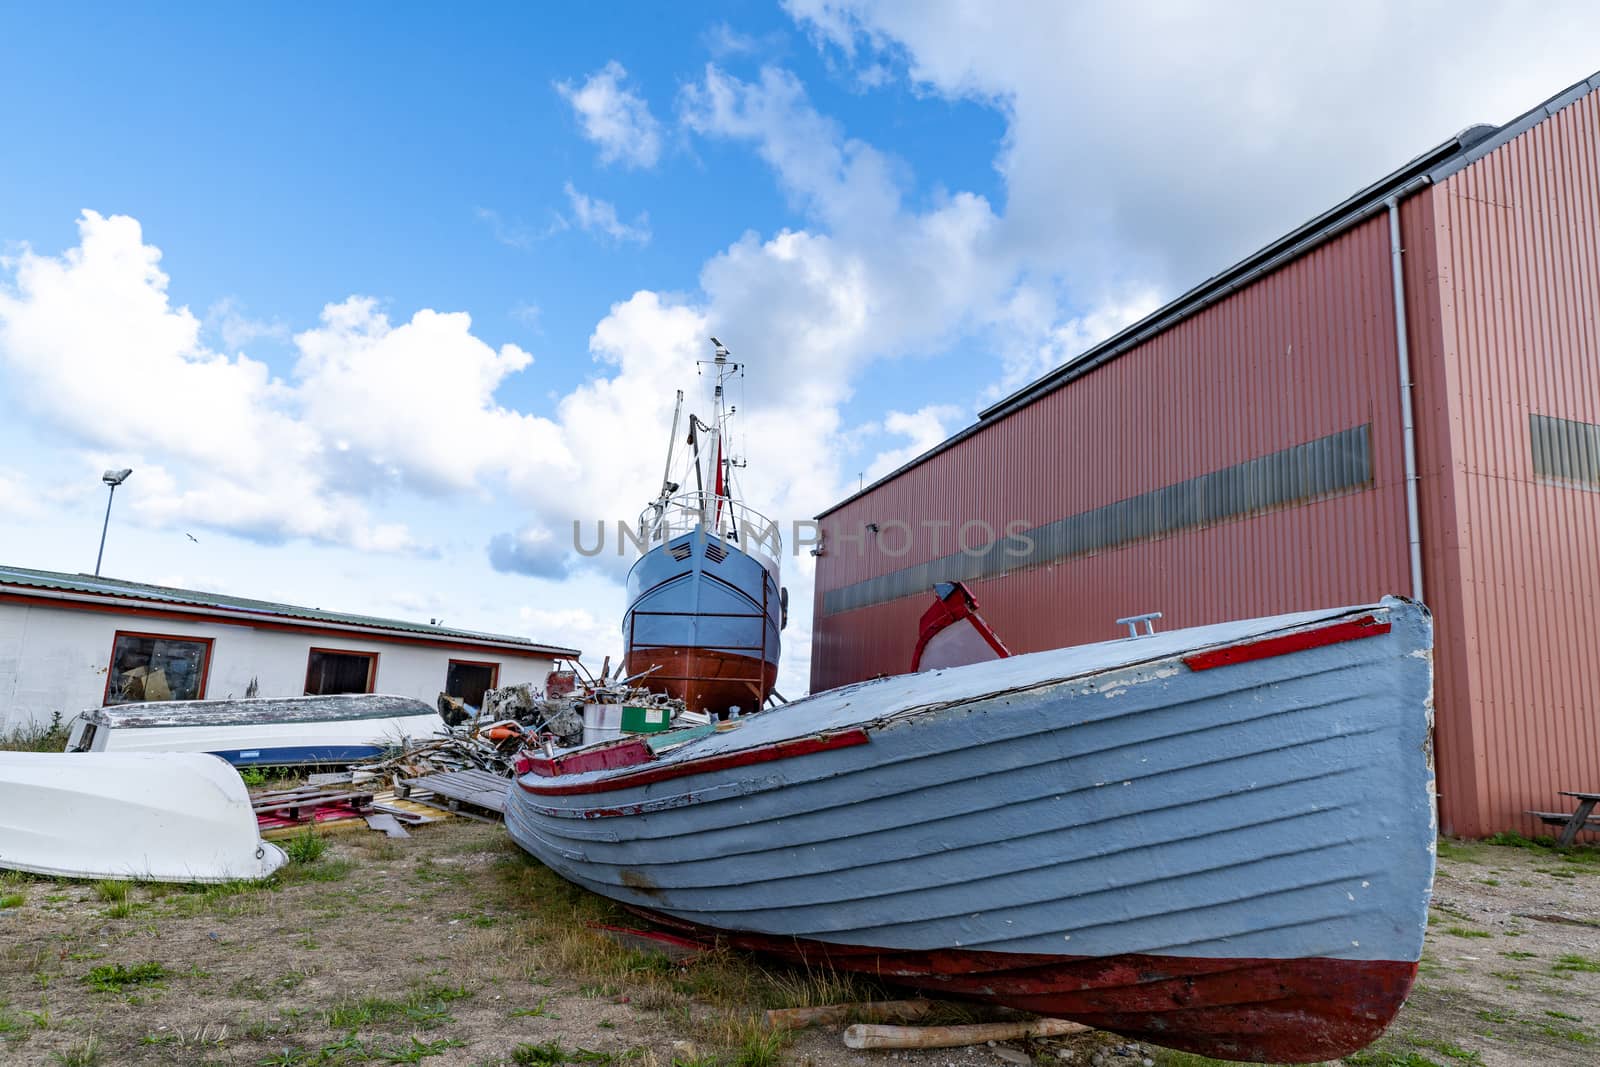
(1267, 647)
(800, 746)
(1256, 1009)
(627, 753)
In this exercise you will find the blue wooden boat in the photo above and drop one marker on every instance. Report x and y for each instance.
(705, 607)
(1218, 839)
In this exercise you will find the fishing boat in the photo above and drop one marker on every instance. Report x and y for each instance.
(262, 731)
(705, 605)
(163, 817)
(1218, 839)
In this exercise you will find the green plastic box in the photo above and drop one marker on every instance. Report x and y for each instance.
(645, 720)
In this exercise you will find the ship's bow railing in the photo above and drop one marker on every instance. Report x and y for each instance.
(737, 524)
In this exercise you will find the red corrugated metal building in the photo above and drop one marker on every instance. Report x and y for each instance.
(1242, 452)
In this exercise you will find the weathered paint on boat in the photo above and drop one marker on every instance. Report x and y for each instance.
(266, 731)
(1217, 839)
(165, 817)
(708, 616)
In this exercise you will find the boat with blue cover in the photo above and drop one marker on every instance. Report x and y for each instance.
(1218, 839)
(705, 605)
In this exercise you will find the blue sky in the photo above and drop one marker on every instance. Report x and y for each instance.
(277, 159)
(895, 212)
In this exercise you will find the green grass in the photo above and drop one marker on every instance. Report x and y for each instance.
(1383, 1058)
(12, 900)
(115, 977)
(83, 1054)
(1465, 931)
(760, 1048)
(112, 892)
(1514, 954)
(415, 1051)
(306, 847)
(1577, 1037)
(425, 1008)
(1581, 855)
(1572, 962)
(540, 1010)
(1446, 1049)
(1562, 1015)
(321, 871)
(40, 737)
(1457, 850)
(543, 1054)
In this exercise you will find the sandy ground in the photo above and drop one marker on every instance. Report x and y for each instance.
(450, 949)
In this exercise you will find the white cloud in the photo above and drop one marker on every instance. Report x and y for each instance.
(91, 344)
(533, 550)
(19, 500)
(594, 215)
(922, 429)
(1034, 335)
(93, 347)
(511, 234)
(614, 117)
(592, 629)
(226, 319)
(1156, 144)
(415, 403)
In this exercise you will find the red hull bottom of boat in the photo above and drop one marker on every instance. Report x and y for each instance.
(1260, 1010)
(705, 679)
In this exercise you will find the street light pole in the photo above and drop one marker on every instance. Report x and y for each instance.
(112, 479)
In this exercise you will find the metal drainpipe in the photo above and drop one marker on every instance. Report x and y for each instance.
(1408, 425)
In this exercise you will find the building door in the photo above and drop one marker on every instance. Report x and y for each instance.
(468, 681)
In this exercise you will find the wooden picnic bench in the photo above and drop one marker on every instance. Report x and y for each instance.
(1572, 821)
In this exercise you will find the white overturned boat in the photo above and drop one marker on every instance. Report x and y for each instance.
(263, 731)
(160, 817)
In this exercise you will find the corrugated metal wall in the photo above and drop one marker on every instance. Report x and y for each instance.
(1503, 292)
(1305, 354)
(1510, 362)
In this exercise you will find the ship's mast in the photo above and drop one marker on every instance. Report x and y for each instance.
(722, 480)
(668, 486)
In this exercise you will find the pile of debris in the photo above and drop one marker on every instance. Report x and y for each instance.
(513, 718)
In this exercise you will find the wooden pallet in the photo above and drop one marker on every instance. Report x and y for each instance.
(409, 813)
(471, 794)
(302, 803)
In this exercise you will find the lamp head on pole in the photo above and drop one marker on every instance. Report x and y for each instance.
(116, 478)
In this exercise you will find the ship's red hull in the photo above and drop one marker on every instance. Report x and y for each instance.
(706, 679)
(1261, 1010)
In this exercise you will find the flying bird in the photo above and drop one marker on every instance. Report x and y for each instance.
(192, 537)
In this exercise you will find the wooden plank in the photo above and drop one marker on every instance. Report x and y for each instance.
(1579, 819)
(1573, 822)
(311, 800)
(864, 1035)
(388, 824)
(877, 1011)
(405, 815)
(478, 788)
(457, 811)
